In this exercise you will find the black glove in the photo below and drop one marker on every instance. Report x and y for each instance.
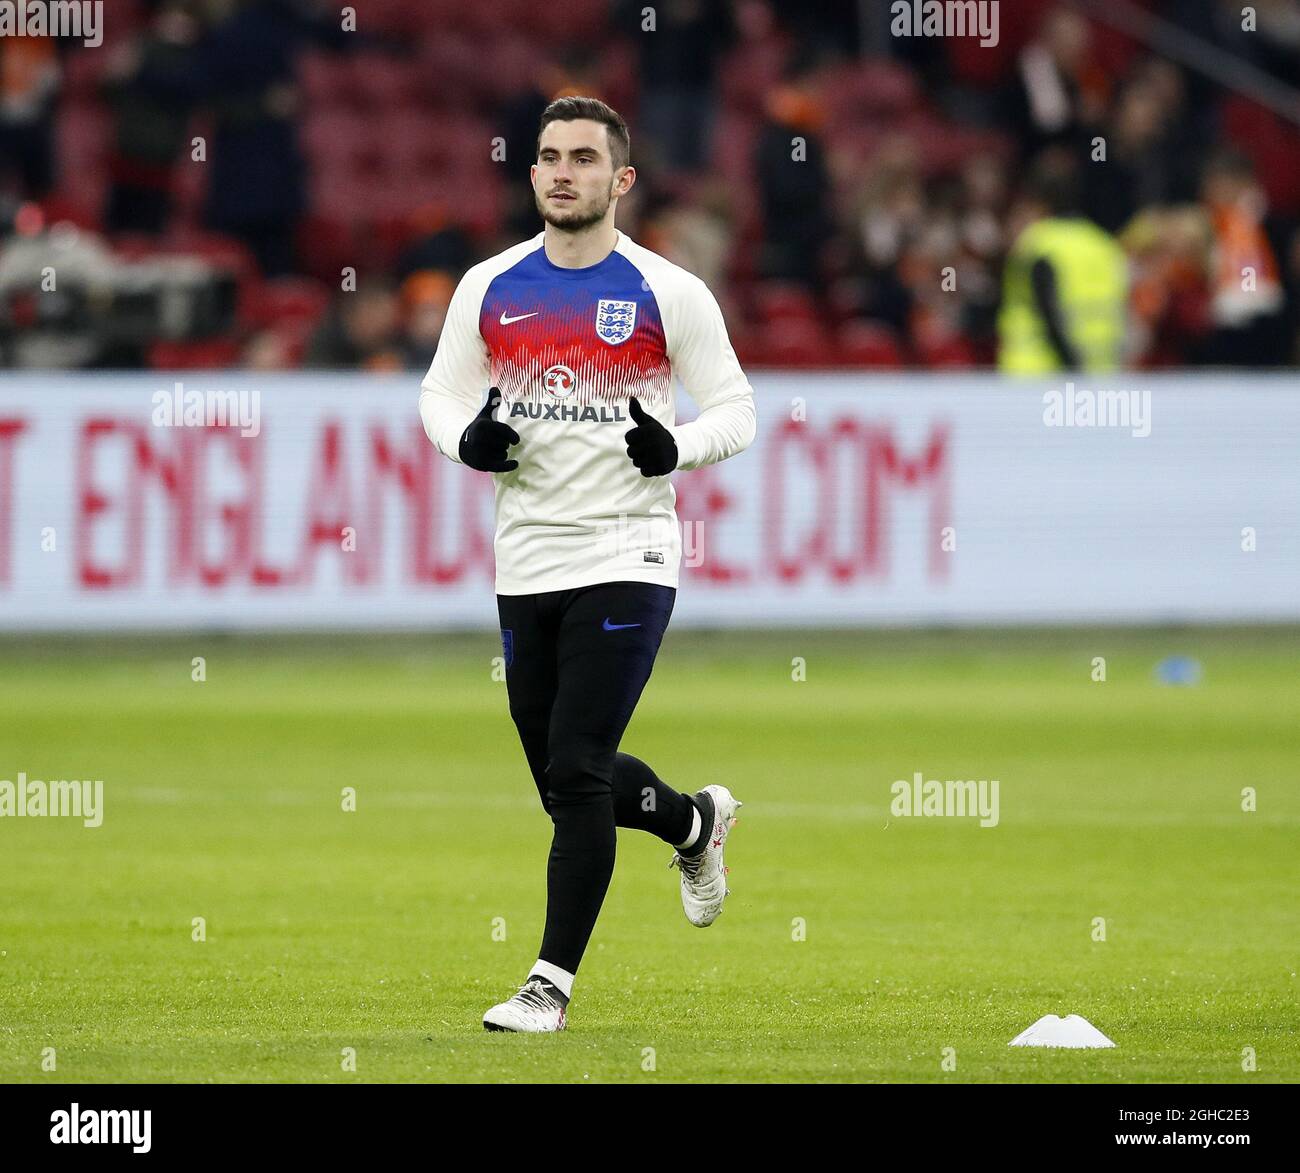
(483, 446)
(650, 445)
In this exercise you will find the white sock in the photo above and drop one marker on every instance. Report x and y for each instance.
(695, 827)
(561, 979)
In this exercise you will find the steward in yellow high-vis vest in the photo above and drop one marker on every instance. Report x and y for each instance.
(1064, 299)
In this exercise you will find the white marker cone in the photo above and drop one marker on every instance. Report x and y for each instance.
(1053, 1031)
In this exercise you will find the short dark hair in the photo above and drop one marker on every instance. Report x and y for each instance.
(1053, 181)
(1229, 162)
(571, 109)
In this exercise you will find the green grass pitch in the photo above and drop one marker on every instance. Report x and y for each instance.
(378, 930)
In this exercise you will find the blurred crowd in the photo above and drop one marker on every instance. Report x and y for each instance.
(851, 195)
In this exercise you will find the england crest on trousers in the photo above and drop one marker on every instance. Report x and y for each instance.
(615, 320)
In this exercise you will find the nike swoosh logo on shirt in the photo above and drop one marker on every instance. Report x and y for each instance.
(505, 321)
(618, 626)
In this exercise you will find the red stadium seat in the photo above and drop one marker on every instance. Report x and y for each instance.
(585, 21)
(58, 209)
(443, 17)
(749, 73)
(984, 66)
(863, 343)
(337, 137)
(871, 90)
(394, 17)
(326, 246)
(286, 300)
(210, 354)
(734, 138)
(795, 342)
(129, 17)
(511, 60)
(223, 251)
(389, 235)
(323, 78)
(952, 353)
(420, 142)
(945, 148)
(81, 76)
(84, 137)
(382, 83)
(452, 75)
(777, 301)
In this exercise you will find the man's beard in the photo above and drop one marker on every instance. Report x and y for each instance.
(571, 221)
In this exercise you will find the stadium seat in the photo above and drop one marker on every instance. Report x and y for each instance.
(749, 73)
(795, 342)
(325, 246)
(218, 249)
(980, 65)
(864, 343)
(776, 301)
(511, 59)
(871, 90)
(59, 209)
(323, 82)
(451, 73)
(734, 137)
(210, 354)
(84, 136)
(945, 147)
(388, 235)
(951, 353)
(82, 73)
(381, 82)
(585, 21)
(336, 136)
(285, 300)
(393, 17)
(420, 142)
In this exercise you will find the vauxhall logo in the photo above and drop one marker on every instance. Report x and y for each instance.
(605, 414)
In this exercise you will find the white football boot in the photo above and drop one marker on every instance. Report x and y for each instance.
(532, 1009)
(704, 878)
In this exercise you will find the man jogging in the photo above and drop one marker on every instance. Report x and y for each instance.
(577, 335)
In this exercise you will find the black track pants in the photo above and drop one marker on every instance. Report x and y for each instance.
(576, 662)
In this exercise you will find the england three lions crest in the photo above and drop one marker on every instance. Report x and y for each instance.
(615, 320)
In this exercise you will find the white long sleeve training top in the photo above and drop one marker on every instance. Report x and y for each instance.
(568, 348)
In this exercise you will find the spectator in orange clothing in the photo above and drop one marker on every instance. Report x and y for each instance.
(794, 186)
(30, 74)
(425, 298)
(1247, 298)
(1169, 257)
